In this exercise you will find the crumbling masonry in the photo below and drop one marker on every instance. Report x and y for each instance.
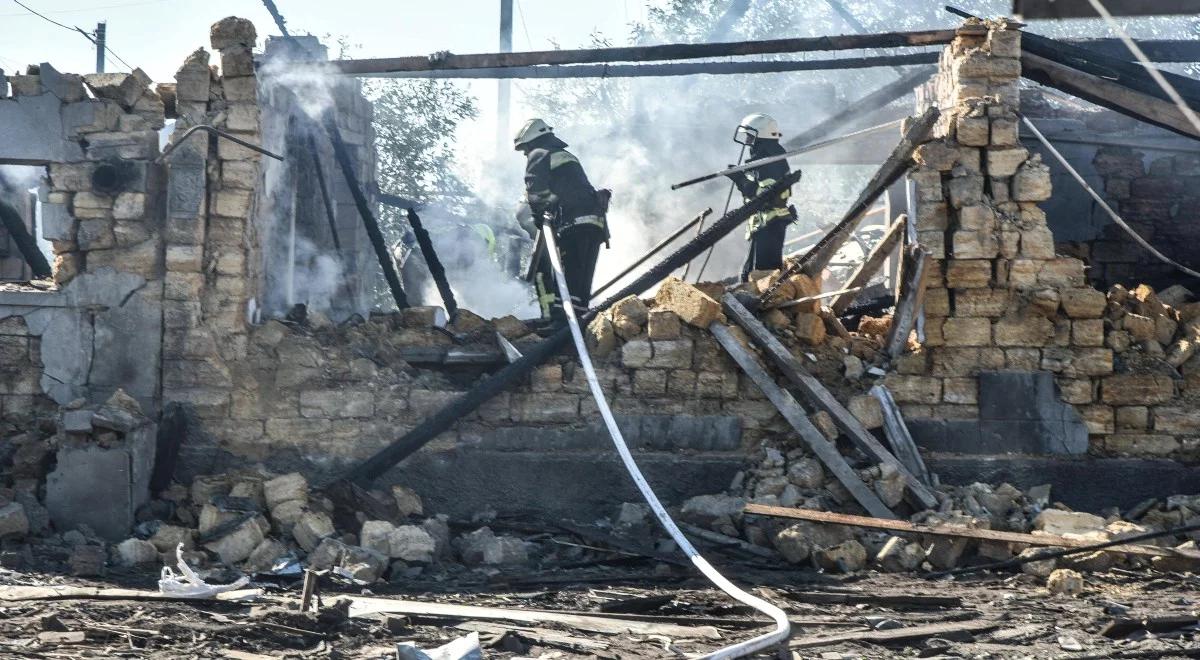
(169, 288)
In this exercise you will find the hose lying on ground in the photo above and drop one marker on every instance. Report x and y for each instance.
(783, 628)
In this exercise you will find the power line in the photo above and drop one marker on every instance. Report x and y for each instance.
(524, 27)
(87, 9)
(78, 29)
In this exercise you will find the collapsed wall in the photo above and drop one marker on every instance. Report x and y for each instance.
(1002, 302)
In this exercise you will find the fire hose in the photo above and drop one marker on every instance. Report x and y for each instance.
(783, 628)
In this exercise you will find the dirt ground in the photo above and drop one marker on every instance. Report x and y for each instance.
(987, 616)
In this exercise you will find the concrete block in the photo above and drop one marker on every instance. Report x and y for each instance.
(102, 487)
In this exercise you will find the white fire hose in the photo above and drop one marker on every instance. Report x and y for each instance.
(783, 628)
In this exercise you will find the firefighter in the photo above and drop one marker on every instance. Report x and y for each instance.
(560, 195)
(766, 229)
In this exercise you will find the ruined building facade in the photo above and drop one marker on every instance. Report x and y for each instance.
(172, 275)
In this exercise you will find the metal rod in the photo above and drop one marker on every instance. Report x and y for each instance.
(342, 154)
(1100, 200)
(655, 250)
(434, 264)
(822, 296)
(728, 199)
(219, 133)
(749, 165)
(645, 53)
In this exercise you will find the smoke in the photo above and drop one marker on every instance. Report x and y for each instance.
(477, 277)
(14, 178)
(318, 277)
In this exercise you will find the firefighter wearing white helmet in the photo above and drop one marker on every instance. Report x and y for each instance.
(560, 195)
(767, 229)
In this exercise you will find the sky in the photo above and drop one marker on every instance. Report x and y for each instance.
(157, 34)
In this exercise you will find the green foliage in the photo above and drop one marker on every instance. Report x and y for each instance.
(415, 123)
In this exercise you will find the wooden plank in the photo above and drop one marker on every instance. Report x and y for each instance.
(791, 411)
(17, 593)
(1106, 93)
(813, 263)
(903, 445)
(896, 635)
(871, 264)
(879, 600)
(377, 66)
(664, 70)
(911, 298)
(822, 398)
(610, 625)
(953, 531)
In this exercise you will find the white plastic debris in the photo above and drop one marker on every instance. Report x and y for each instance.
(463, 648)
(187, 584)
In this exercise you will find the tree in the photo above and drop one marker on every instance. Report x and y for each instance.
(415, 124)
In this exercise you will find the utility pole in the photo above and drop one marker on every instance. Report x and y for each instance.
(504, 87)
(101, 30)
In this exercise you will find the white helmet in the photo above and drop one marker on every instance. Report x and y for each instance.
(756, 126)
(532, 130)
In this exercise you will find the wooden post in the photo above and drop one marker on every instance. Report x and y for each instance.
(821, 398)
(911, 299)
(791, 411)
(873, 262)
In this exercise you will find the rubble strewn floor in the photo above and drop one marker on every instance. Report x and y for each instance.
(1013, 615)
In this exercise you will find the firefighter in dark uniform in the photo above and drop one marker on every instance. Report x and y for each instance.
(766, 229)
(562, 200)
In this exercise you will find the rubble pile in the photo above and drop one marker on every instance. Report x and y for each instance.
(793, 478)
(256, 522)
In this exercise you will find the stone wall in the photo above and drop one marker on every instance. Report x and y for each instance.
(1001, 299)
(321, 397)
(99, 330)
(1159, 197)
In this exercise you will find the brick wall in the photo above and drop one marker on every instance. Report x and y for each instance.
(1001, 298)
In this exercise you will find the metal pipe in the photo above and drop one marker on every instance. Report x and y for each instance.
(749, 165)
(655, 250)
(219, 133)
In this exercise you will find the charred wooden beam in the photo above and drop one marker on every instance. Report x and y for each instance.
(871, 264)
(365, 67)
(342, 154)
(1108, 94)
(815, 260)
(1083, 9)
(26, 244)
(821, 398)
(671, 69)
(436, 270)
(383, 460)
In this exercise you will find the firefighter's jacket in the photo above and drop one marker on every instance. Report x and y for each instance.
(557, 187)
(752, 182)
